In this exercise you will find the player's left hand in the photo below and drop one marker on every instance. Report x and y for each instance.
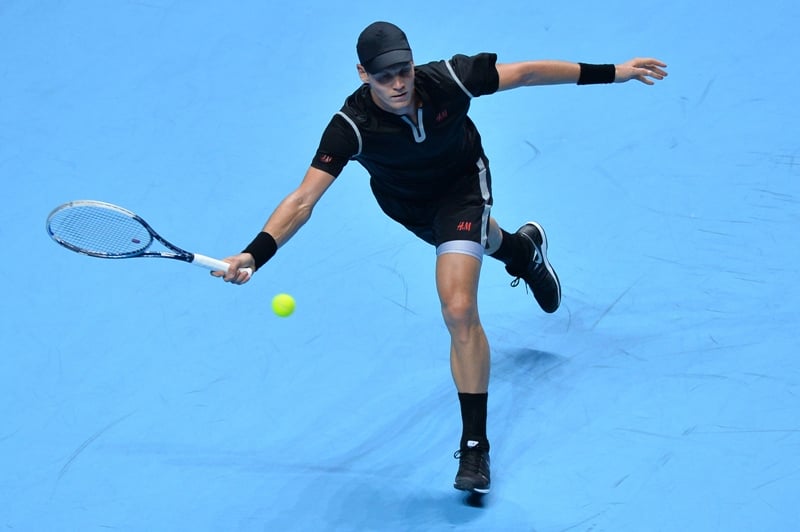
(641, 69)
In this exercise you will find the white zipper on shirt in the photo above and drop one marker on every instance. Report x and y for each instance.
(417, 129)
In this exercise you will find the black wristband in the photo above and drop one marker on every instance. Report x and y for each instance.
(262, 248)
(594, 74)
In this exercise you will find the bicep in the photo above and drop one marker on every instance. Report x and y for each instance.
(313, 186)
(295, 209)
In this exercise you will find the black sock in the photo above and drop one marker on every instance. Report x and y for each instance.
(514, 250)
(473, 419)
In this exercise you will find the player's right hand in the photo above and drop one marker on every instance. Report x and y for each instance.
(241, 270)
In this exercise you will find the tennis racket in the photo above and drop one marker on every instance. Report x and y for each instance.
(100, 229)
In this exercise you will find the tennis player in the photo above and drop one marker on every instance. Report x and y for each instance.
(408, 126)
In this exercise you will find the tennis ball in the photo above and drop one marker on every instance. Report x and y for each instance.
(283, 305)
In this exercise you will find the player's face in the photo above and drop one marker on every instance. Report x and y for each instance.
(392, 88)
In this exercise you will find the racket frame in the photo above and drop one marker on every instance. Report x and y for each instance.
(174, 252)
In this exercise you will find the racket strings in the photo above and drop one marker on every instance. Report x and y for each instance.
(100, 231)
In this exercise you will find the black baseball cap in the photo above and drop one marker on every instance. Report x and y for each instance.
(381, 45)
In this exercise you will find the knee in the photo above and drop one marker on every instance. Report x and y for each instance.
(460, 312)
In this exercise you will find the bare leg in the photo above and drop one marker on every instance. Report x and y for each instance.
(457, 282)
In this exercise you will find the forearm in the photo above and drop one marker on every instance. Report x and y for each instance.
(286, 219)
(532, 73)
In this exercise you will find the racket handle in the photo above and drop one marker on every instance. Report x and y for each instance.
(215, 265)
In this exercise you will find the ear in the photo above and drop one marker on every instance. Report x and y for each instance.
(362, 74)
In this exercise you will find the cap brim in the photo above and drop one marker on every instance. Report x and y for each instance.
(388, 59)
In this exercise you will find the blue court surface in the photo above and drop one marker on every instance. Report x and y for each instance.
(144, 395)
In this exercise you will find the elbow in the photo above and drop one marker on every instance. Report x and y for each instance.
(302, 206)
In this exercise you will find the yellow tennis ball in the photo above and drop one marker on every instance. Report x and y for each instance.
(283, 305)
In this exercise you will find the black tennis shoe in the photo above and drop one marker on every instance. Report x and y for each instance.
(473, 470)
(538, 273)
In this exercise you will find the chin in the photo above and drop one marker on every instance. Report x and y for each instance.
(400, 103)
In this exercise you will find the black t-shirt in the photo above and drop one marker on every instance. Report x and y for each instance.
(410, 161)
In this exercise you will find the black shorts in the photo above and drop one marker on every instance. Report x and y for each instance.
(462, 213)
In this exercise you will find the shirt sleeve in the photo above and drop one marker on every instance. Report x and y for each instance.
(477, 73)
(338, 145)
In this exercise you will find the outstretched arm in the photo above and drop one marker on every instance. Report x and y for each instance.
(290, 215)
(545, 72)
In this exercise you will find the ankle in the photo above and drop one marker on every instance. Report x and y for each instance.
(508, 249)
(473, 417)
